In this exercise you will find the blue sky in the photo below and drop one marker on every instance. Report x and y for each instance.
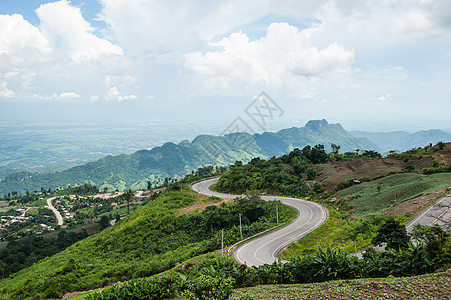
(381, 65)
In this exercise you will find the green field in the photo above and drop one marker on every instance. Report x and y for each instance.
(393, 189)
(431, 286)
(348, 234)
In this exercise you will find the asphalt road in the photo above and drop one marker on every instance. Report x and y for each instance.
(266, 249)
(438, 213)
(55, 211)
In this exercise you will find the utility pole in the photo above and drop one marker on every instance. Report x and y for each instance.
(277, 212)
(241, 228)
(222, 242)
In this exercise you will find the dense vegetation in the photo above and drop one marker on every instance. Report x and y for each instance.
(215, 278)
(84, 189)
(284, 175)
(135, 170)
(19, 254)
(151, 240)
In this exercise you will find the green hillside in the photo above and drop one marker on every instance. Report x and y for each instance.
(368, 199)
(152, 240)
(134, 170)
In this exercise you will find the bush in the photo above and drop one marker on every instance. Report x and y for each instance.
(208, 287)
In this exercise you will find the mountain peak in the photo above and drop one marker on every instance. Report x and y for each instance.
(316, 124)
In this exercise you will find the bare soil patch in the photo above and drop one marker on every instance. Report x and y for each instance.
(334, 172)
(201, 204)
(411, 206)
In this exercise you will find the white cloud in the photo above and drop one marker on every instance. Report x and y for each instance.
(284, 51)
(414, 23)
(55, 96)
(4, 91)
(113, 94)
(21, 44)
(154, 27)
(64, 26)
(68, 95)
(385, 97)
(93, 98)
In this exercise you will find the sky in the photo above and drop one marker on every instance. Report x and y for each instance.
(371, 65)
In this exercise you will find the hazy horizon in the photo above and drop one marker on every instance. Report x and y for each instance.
(369, 66)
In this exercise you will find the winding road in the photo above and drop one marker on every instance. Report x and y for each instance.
(55, 211)
(266, 249)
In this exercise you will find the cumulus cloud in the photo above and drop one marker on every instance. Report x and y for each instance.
(113, 94)
(64, 25)
(21, 44)
(284, 51)
(4, 91)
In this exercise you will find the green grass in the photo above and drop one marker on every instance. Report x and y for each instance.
(339, 232)
(430, 286)
(151, 240)
(118, 253)
(394, 189)
(40, 202)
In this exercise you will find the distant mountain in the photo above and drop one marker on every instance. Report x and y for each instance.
(134, 170)
(402, 141)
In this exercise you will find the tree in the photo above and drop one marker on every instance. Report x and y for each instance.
(104, 222)
(311, 174)
(317, 188)
(434, 238)
(149, 185)
(105, 189)
(379, 188)
(335, 149)
(392, 233)
(128, 196)
(372, 154)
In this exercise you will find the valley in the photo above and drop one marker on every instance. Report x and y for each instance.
(352, 223)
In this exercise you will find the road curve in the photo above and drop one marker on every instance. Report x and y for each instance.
(55, 211)
(266, 249)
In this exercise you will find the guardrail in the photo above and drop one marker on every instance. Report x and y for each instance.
(251, 237)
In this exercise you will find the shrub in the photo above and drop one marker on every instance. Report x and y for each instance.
(208, 287)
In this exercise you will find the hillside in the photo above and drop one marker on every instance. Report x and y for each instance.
(134, 170)
(431, 286)
(151, 240)
(401, 140)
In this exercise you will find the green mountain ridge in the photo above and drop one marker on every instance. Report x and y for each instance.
(402, 140)
(134, 170)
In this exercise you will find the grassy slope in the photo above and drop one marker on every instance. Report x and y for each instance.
(112, 255)
(397, 187)
(335, 233)
(143, 244)
(430, 286)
